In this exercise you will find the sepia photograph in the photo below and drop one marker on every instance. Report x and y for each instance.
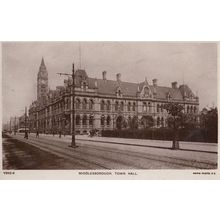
(109, 108)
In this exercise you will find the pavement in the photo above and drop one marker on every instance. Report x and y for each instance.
(191, 146)
(117, 153)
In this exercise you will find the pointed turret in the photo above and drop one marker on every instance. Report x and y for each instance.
(42, 65)
(42, 80)
(42, 62)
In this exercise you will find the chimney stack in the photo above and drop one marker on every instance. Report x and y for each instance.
(174, 85)
(154, 82)
(104, 75)
(118, 77)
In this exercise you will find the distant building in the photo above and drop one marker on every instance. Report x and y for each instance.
(12, 124)
(104, 104)
(21, 122)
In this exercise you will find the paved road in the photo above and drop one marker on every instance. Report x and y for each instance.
(100, 155)
(20, 155)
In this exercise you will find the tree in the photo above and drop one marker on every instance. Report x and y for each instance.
(188, 121)
(175, 112)
(209, 122)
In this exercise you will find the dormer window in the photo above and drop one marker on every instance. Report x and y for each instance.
(146, 91)
(168, 96)
(84, 85)
(119, 92)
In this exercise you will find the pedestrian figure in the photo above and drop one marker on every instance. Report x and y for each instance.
(26, 135)
(53, 133)
(37, 134)
(60, 134)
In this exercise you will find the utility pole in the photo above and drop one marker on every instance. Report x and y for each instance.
(10, 125)
(73, 143)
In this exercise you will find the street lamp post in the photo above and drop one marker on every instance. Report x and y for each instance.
(15, 125)
(73, 143)
(26, 133)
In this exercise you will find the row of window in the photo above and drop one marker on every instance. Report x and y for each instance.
(85, 104)
(106, 105)
(191, 109)
(119, 106)
(85, 120)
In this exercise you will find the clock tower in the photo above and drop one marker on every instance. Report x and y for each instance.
(42, 81)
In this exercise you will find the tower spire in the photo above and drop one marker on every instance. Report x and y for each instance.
(42, 62)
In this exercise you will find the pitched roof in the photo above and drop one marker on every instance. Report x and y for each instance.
(185, 89)
(163, 91)
(109, 87)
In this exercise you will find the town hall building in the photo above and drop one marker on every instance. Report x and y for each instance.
(104, 104)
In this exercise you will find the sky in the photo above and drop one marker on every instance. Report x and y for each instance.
(194, 64)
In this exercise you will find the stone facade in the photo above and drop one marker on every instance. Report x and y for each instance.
(104, 104)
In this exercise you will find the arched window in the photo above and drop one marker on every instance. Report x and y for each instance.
(158, 108)
(129, 106)
(84, 104)
(122, 106)
(187, 109)
(146, 91)
(158, 122)
(91, 119)
(161, 108)
(108, 106)
(77, 104)
(116, 106)
(162, 122)
(194, 109)
(129, 121)
(134, 106)
(67, 103)
(102, 120)
(102, 105)
(144, 107)
(149, 106)
(91, 103)
(108, 120)
(84, 120)
(77, 120)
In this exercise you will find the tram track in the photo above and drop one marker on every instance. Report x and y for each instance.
(114, 158)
